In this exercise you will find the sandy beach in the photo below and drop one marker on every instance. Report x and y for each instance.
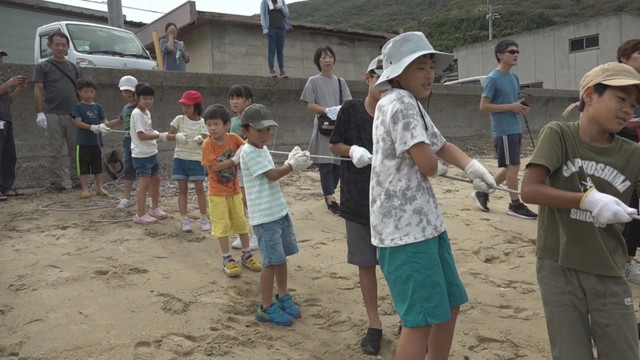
(79, 280)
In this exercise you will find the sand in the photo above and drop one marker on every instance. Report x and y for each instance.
(79, 280)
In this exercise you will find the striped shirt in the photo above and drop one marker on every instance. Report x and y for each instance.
(264, 197)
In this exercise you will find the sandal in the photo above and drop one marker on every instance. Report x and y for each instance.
(370, 343)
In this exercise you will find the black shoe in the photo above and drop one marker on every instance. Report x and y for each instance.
(522, 211)
(57, 187)
(334, 208)
(482, 200)
(370, 343)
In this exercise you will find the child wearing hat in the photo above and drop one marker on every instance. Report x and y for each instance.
(407, 226)
(581, 177)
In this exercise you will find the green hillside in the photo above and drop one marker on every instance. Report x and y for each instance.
(452, 23)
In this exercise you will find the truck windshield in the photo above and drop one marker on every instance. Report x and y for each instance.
(111, 41)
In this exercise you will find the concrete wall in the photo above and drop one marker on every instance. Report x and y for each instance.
(454, 110)
(545, 53)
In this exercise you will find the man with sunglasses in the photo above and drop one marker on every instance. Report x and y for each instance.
(501, 98)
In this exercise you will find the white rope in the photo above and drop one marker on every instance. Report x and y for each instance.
(317, 156)
(499, 187)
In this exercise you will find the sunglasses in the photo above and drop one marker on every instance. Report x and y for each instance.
(513, 52)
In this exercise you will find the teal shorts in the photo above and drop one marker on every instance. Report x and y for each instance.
(423, 281)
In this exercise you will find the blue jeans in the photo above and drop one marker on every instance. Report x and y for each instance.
(129, 170)
(276, 47)
(329, 177)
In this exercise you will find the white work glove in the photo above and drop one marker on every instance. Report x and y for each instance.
(41, 120)
(606, 208)
(482, 179)
(181, 138)
(95, 129)
(162, 136)
(198, 139)
(442, 169)
(300, 162)
(104, 129)
(332, 112)
(265, 31)
(236, 156)
(294, 152)
(359, 156)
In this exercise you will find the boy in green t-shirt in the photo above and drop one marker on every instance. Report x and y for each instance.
(581, 177)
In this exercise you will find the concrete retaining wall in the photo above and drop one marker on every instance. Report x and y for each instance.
(454, 110)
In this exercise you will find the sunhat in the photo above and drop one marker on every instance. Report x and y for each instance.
(400, 51)
(257, 116)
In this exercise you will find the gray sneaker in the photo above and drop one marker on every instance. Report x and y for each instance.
(482, 200)
(631, 272)
(186, 225)
(205, 224)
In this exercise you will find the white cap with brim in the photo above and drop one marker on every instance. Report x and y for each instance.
(376, 65)
(128, 82)
(3, 53)
(400, 51)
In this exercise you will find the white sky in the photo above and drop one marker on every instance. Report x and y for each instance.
(238, 7)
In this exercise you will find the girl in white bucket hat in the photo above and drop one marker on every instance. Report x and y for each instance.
(406, 223)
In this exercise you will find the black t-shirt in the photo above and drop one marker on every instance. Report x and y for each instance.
(354, 127)
(276, 17)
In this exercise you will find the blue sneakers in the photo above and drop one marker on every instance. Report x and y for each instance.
(274, 314)
(286, 304)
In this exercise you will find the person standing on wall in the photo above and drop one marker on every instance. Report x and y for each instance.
(274, 16)
(174, 51)
(54, 88)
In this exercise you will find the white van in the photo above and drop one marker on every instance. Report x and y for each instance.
(94, 45)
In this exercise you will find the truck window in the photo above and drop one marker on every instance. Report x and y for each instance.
(95, 40)
(45, 52)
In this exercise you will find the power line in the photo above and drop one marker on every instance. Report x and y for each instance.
(104, 2)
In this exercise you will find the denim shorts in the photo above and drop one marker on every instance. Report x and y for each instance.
(148, 166)
(190, 170)
(129, 170)
(276, 241)
(423, 281)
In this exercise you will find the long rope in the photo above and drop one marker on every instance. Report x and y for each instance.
(317, 156)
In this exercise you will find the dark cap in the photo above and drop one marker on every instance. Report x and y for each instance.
(257, 116)
(3, 53)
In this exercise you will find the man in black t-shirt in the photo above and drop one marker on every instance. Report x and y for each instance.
(352, 136)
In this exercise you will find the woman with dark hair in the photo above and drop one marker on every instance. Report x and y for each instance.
(324, 93)
(274, 19)
(174, 52)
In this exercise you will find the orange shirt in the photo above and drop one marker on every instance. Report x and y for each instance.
(225, 182)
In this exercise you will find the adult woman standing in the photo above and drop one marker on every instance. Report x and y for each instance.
(273, 17)
(324, 93)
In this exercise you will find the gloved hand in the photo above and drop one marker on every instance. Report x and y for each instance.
(294, 152)
(182, 138)
(442, 169)
(332, 112)
(359, 156)
(482, 179)
(236, 156)
(41, 120)
(162, 136)
(300, 162)
(198, 139)
(606, 208)
(265, 32)
(95, 129)
(104, 129)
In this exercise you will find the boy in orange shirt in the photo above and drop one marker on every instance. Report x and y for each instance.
(221, 154)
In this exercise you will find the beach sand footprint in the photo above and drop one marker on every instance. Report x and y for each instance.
(173, 305)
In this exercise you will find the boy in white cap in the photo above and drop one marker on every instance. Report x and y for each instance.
(581, 177)
(406, 224)
(352, 137)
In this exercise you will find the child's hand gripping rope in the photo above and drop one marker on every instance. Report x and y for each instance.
(606, 208)
(298, 159)
(359, 156)
(236, 156)
(481, 178)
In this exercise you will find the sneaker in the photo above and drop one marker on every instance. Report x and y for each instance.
(370, 343)
(230, 267)
(250, 262)
(123, 203)
(186, 225)
(522, 211)
(253, 243)
(57, 187)
(274, 314)
(283, 74)
(85, 194)
(286, 304)
(632, 272)
(158, 213)
(482, 200)
(145, 219)
(334, 208)
(205, 224)
(273, 74)
(102, 192)
(237, 244)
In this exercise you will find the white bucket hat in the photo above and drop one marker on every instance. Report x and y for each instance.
(400, 51)
(128, 83)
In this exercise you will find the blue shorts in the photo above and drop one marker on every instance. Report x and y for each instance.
(423, 281)
(129, 170)
(276, 241)
(508, 149)
(148, 166)
(190, 170)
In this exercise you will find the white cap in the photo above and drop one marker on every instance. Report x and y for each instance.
(376, 65)
(128, 83)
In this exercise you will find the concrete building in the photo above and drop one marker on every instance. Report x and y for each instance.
(19, 20)
(556, 57)
(234, 44)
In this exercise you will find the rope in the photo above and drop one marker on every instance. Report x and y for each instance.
(317, 156)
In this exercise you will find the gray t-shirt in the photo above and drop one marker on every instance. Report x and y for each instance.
(59, 92)
(5, 102)
(173, 60)
(324, 91)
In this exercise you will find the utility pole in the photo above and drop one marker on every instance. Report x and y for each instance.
(114, 7)
(490, 16)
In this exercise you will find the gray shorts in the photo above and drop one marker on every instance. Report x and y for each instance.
(508, 149)
(580, 307)
(360, 251)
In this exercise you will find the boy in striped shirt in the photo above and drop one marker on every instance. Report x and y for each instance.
(269, 213)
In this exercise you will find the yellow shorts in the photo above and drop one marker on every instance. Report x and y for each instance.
(227, 215)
